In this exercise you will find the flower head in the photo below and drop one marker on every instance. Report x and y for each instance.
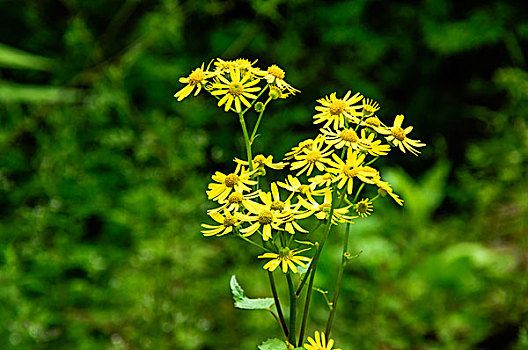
(398, 136)
(197, 79)
(234, 201)
(225, 184)
(352, 168)
(319, 343)
(312, 155)
(322, 211)
(237, 90)
(261, 161)
(370, 107)
(227, 223)
(275, 75)
(384, 188)
(287, 258)
(363, 207)
(337, 111)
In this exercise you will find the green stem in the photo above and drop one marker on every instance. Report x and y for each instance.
(358, 191)
(282, 322)
(372, 161)
(293, 311)
(251, 242)
(305, 277)
(315, 260)
(344, 261)
(246, 140)
(252, 138)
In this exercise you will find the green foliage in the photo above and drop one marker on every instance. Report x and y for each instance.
(273, 344)
(243, 302)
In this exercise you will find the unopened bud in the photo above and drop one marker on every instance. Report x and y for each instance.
(259, 107)
(275, 92)
(382, 192)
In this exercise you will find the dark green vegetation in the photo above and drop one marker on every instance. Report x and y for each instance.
(103, 173)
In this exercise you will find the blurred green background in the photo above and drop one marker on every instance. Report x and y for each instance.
(103, 173)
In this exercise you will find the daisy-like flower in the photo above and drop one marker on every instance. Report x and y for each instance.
(260, 161)
(197, 79)
(275, 75)
(238, 90)
(374, 147)
(293, 185)
(319, 343)
(297, 149)
(227, 223)
(322, 211)
(237, 181)
(337, 111)
(398, 136)
(375, 124)
(324, 180)
(384, 188)
(234, 202)
(346, 137)
(275, 93)
(370, 107)
(312, 155)
(347, 171)
(364, 207)
(263, 217)
(246, 66)
(223, 67)
(287, 258)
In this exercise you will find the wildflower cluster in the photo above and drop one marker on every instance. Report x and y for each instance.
(327, 175)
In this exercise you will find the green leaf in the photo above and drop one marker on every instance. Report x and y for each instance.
(10, 92)
(273, 344)
(243, 302)
(15, 58)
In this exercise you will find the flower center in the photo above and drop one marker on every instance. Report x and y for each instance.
(265, 217)
(259, 159)
(278, 205)
(196, 76)
(229, 220)
(313, 156)
(349, 135)
(284, 252)
(231, 180)
(362, 208)
(350, 170)
(327, 176)
(243, 63)
(276, 72)
(325, 207)
(337, 107)
(235, 197)
(235, 88)
(372, 121)
(398, 133)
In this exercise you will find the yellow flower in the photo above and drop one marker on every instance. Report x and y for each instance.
(237, 181)
(263, 217)
(298, 149)
(197, 79)
(322, 211)
(370, 107)
(287, 258)
(398, 136)
(312, 155)
(385, 188)
(275, 75)
(234, 201)
(275, 93)
(337, 111)
(319, 343)
(239, 89)
(347, 171)
(260, 160)
(364, 207)
(346, 137)
(293, 185)
(375, 124)
(227, 223)
(324, 180)
(374, 147)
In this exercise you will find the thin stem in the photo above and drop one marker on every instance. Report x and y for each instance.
(246, 140)
(344, 261)
(315, 260)
(251, 242)
(372, 161)
(260, 93)
(282, 322)
(358, 191)
(252, 138)
(305, 277)
(293, 311)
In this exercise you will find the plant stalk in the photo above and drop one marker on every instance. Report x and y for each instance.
(282, 322)
(293, 305)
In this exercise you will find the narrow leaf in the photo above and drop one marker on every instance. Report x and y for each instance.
(11, 57)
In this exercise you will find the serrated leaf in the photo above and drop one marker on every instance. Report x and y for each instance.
(243, 302)
(273, 344)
